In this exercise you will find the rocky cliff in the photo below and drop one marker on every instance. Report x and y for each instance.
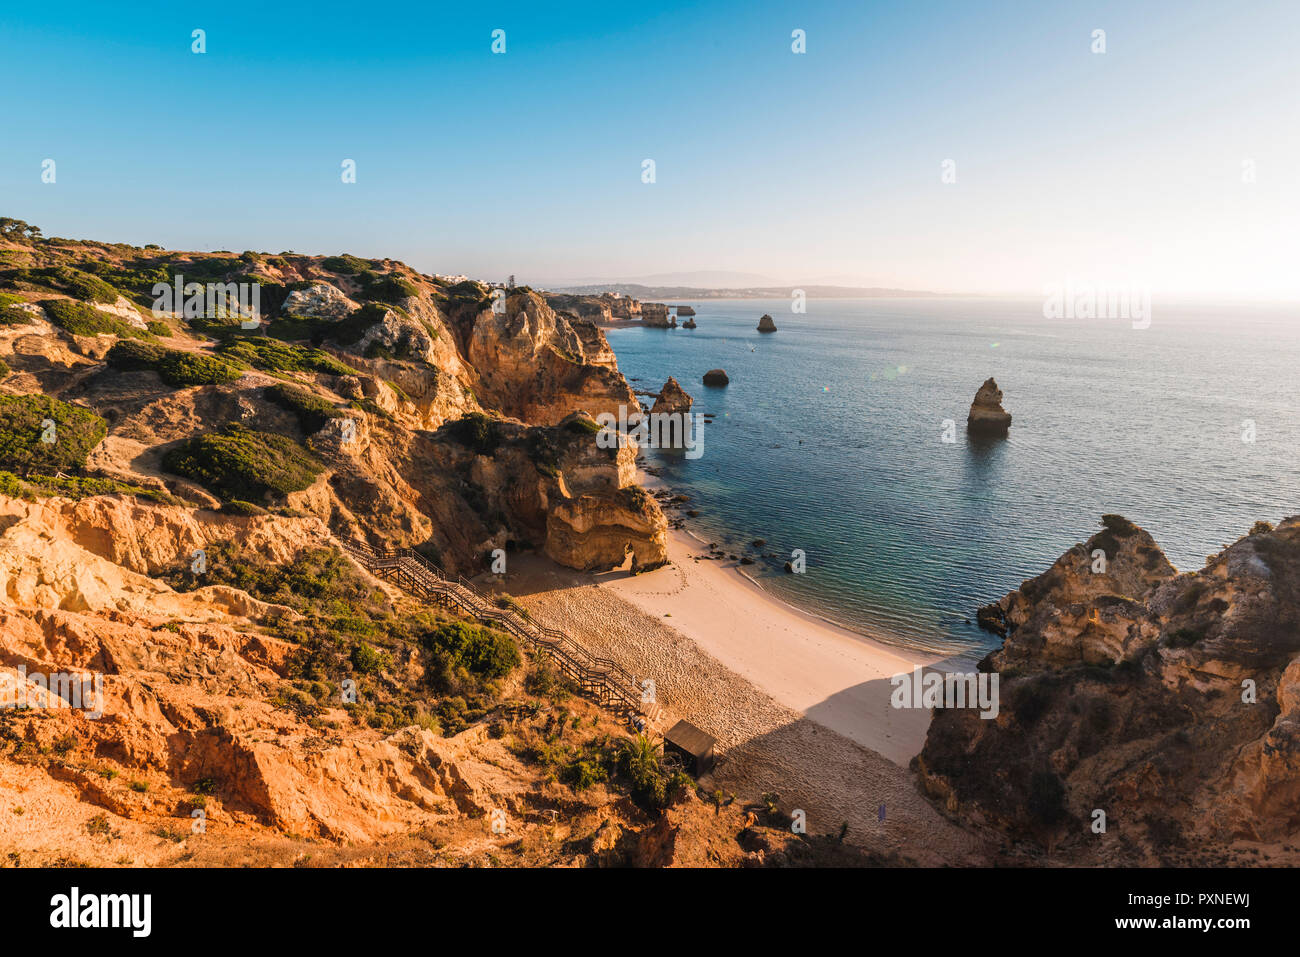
(217, 728)
(621, 307)
(349, 388)
(655, 314)
(590, 308)
(1168, 702)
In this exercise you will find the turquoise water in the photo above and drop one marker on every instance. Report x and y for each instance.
(829, 439)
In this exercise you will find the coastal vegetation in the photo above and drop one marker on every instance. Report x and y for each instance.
(244, 464)
(39, 433)
(174, 366)
(84, 320)
(273, 355)
(311, 411)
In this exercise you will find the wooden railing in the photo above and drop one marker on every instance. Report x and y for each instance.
(602, 678)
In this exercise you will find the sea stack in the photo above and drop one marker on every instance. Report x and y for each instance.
(672, 398)
(716, 377)
(766, 324)
(987, 417)
(690, 322)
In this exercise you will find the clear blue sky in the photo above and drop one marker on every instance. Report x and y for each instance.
(1125, 166)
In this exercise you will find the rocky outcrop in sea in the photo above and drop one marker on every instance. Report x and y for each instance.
(672, 399)
(987, 417)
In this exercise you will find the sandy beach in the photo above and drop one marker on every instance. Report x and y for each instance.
(799, 706)
(829, 674)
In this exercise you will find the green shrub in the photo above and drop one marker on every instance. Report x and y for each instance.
(638, 761)
(582, 774)
(182, 369)
(483, 652)
(73, 282)
(272, 355)
(241, 463)
(159, 328)
(133, 355)
(83, 320)
(176, 367)
(13, 487)
(345, 264)
(4, 369)
(238, 507)
(76, 431)
(476, 431)
(369, 661)
(78, 487)
(311, 410)
(390, 288)
(11, 316)
(582, 427)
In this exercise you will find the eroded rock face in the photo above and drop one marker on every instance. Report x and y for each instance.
(552, 488)
(672, 399)
(535, 365)
(655, 314)
(123, 309)
(621, 307)
(1166, 700)
(987, 417)
(442, 354)
(766, 324)
(586, 308)
(598, 532)
(320, 300)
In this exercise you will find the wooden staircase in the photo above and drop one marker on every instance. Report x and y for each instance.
(601, 679)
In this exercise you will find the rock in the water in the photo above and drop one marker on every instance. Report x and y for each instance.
(672, 398)
(688, 324)
(716, 377)
(987, 417)
(766, 324)
(654, 314)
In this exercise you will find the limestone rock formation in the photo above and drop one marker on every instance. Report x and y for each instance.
(987, 417)
(535, 365)
(765, 324)
(410, 355)
(672, 399)
(689, 323)
(654, 314)
(320, 300)
(1167, 700)
(716, 377)
(621, 307)
(123, 309)
(590, 308)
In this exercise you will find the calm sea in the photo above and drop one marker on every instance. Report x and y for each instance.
(830, 439)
